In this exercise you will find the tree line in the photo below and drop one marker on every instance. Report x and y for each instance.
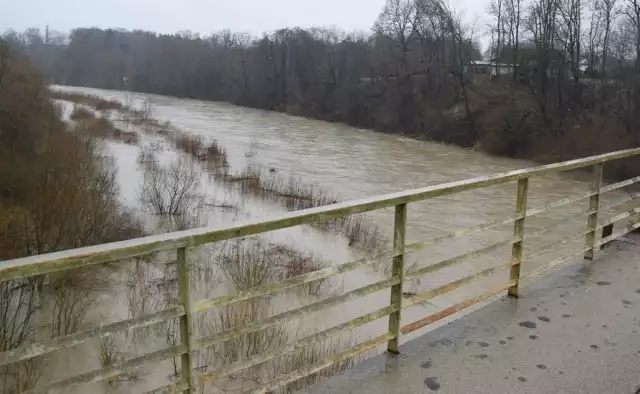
(552, 67)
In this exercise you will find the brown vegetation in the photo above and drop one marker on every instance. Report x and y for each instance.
(291, 192)
(243, 263)
(214, 155)
(88, 123)
(56, 192)
(312, 355)
(359, 229)
(80, 112)
(99, 103)
(269, 339)
(128, 114)
(248, 263)
(169, 190)
(128, 137)
(252, 344)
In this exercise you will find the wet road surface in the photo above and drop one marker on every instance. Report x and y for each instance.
(576, 331)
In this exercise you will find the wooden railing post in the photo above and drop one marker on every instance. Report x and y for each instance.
(185, 321)
(594, 204)
(518, 231)
(397, 269)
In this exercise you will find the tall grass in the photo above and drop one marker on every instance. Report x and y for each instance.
(148, 289)
(361, 231)
(247, 264)
(309, 356)
(128, 137)
(252, 344)
(239, 348)
(291, 192)
(80, 112)
(131, 114)
(250, 262)
(96, 102)
(71, 295)
(293, 263)
(87, 123)
(214, 155)
(260, 342)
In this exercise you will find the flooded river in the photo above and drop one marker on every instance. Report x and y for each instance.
(348, 163)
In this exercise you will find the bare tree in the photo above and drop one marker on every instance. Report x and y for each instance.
(71, 295)
(513, 10)
(19, 308)
(496, 9)
(594, 38)
(631, 9)
(169, 190)
(396, 21)
(56, 192)
(570, 34)
(541, 23)
(607, 10)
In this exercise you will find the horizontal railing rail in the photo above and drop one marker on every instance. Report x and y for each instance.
(186, 308)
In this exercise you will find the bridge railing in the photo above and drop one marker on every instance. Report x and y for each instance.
(186, 308)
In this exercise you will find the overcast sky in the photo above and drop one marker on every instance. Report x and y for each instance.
(201, 16)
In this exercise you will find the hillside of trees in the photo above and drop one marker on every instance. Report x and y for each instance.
(571, 88)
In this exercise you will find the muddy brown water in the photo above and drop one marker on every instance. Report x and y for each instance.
(350, 163)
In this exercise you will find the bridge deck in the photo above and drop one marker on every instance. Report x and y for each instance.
(575, 331)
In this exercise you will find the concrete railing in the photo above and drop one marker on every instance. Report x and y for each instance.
(180, 241)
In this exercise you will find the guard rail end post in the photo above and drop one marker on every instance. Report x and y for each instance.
(397, 269)
(518, 231)
(592, 219)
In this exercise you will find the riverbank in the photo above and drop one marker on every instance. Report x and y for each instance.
(506, 123)
(57, 192)
(213, 144)
(179, 178)
(285, 190)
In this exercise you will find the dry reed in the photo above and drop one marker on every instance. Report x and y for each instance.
(96, 102)
(214, 155)
(249, 263)
(359, 229)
